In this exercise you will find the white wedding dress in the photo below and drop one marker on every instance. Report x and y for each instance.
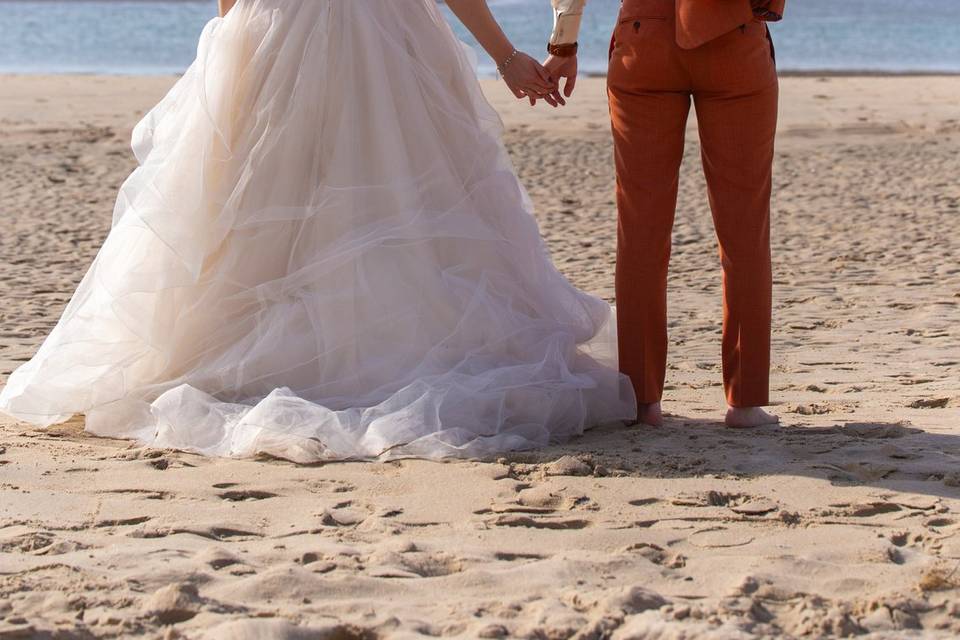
(325, 254)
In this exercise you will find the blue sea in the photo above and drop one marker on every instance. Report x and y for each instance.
(159, 36)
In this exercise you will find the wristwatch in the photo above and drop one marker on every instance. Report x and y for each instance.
(562, 50)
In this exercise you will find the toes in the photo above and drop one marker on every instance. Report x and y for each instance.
(742, 418)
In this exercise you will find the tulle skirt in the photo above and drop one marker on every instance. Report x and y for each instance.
(325, 253)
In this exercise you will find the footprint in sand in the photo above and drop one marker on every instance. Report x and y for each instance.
(541, 500)
(217, 558)
(899, 538)
(517, 520)
(898, 453)
(880, 431)
(213, 532)
(330, 486)
(21, 540)
(345, 517)
(939, 523)
(930, 403)
(507, 556)
(568, 466)
(719, 538)
(513, 507)
(146, 494)
(861, 510)
(122, 522)
(853, 473)
(741, 503)
(414, 564)
(316, 562)
(816, 409)
(657, 555)
(246, 495)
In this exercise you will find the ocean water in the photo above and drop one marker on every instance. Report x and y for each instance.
(159, 36)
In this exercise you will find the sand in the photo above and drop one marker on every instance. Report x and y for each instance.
(842, 521)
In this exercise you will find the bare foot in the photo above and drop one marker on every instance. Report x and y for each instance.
(746, 417)
(650, 414)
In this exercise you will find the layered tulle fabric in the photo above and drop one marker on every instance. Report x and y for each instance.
(325, 254)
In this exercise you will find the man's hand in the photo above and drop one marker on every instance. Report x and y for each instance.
(563, 68)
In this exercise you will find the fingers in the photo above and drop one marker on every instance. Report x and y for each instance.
(566, 72)
(536, 91)
(549, 98)
(558, 98)
(540, 79)
(544, 74)
(543, 87)
(552, 97)
(570, 84)
(552, 94)
(534, 95)
(532, 87)
(527, 78)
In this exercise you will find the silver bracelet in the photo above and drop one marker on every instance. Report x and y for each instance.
(506, 63)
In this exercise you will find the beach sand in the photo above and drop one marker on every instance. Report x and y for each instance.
(843, 521)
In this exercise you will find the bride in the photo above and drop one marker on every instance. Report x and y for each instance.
(325, 254)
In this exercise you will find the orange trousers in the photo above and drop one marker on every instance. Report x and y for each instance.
(732, 82)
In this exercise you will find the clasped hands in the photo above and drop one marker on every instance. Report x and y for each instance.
(529, 79)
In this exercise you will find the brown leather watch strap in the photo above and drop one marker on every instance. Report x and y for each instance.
(562, 50)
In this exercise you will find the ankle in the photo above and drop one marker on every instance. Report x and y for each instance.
(650, 413)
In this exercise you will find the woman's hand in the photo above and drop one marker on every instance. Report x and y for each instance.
(527, 78)
(524, 75)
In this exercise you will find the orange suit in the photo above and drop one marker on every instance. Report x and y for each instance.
(719, 55)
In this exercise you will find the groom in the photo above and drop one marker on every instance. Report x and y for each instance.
(663, 55)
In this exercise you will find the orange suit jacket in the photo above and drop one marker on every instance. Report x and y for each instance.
(700, 21)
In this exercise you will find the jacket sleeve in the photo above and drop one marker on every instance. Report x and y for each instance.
(566, 20)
